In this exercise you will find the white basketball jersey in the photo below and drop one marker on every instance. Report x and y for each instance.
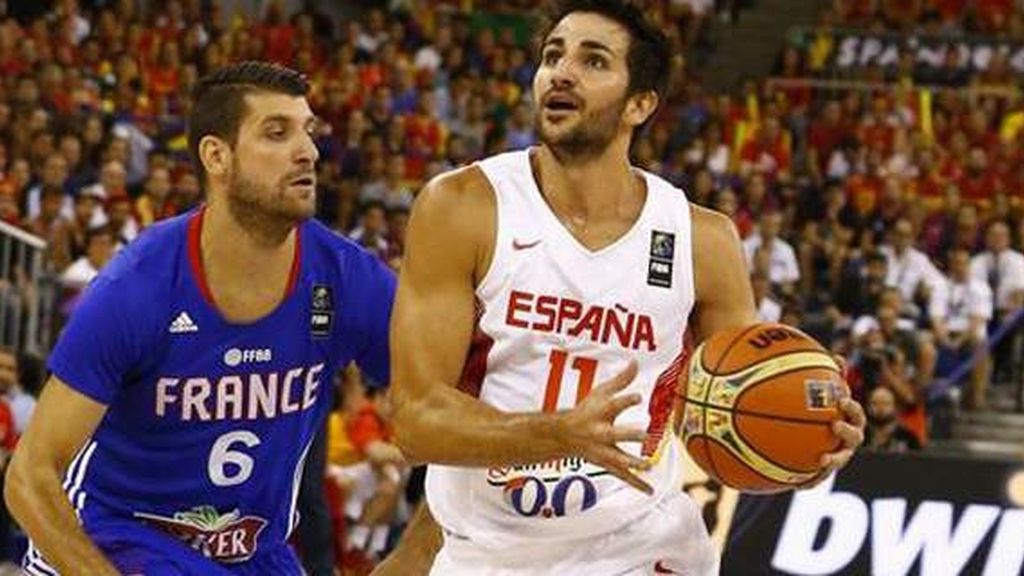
(555, 319)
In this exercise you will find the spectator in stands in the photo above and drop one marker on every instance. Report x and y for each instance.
(766, 252)
(113, 181)
(152, 204)
(884, 432)
(879, 361)
(8, 442)
(909, 270)
(860, 289)
(186, 195)
(825, 135)
(961, 333)
(99, 248)
(52, 226)
(1002, 268)
(55, 175)
(21, 403)
(397, 221)
(768, 153)
(121, 218)
(87, 203)
(768, 309)
(367, 466)
(371, 233)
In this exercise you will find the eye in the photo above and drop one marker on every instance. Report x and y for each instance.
(595, 61)
(550, 58)
(276, 133)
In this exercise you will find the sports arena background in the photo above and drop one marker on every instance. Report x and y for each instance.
(870, 152)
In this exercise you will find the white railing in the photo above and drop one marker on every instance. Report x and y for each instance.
(27, 292)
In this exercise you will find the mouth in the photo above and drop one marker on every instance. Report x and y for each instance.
(304, 181)
(561, 103)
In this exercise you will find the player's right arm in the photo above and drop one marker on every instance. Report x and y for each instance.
(63, 421)
(450, 241)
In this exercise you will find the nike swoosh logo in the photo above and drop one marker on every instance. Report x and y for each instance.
(517, 245)
(659, 568)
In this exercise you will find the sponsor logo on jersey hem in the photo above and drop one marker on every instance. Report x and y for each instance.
(183, 324)
(549, 471)
(228, 538)
(518, 245)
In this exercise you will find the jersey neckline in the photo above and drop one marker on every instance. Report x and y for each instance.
(538, 196)
(195, 257)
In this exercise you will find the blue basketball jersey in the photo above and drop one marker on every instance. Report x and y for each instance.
(209, 421)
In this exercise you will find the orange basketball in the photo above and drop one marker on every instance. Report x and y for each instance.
(759, 403)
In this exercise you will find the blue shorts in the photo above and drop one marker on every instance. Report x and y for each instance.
(136, 550)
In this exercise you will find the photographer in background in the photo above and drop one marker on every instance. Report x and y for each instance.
(885, 432)
(878, 362)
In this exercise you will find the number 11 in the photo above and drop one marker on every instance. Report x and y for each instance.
(587, 367)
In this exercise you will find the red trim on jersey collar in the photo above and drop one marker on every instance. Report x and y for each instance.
(195, 254)
(195, 257)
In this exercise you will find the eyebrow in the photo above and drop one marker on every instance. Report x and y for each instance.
(309, 121)
(595, 45)
(588, 44)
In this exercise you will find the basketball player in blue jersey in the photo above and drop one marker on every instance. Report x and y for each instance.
(193, 376)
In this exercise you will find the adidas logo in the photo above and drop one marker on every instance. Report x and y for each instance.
(183, 323)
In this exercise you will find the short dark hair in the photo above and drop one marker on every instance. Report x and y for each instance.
(218, 101)
(875, 255)
(51, 190)
(649, 55)
(372, 204)
(98, 231)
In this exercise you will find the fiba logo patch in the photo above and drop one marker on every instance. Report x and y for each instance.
(236, 356)
(321, 311)
(663, 252)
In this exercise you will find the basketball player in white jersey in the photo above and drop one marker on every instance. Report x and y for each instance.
(539, 325)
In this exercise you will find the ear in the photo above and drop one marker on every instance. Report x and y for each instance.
(640, 107)
(215, 154)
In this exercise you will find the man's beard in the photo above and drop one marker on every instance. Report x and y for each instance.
(265, 209)
(590, 137)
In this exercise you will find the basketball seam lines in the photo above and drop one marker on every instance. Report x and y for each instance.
(781, 355)
(707, 391)
(751, 385)
(790, 419)
(736, 428)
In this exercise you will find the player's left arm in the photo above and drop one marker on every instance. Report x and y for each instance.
(725, 299)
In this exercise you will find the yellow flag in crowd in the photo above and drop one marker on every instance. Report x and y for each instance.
(925, 102)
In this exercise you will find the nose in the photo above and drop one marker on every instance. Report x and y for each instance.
(307, 153)
(563, 74)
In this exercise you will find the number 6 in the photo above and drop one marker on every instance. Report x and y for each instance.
(221, 455)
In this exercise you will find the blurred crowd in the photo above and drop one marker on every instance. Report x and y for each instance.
(1002, 18)
(886, 222)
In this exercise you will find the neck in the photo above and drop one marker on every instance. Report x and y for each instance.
(236, 248)
(593, 187)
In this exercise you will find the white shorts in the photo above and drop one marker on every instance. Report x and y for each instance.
(671, 539)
